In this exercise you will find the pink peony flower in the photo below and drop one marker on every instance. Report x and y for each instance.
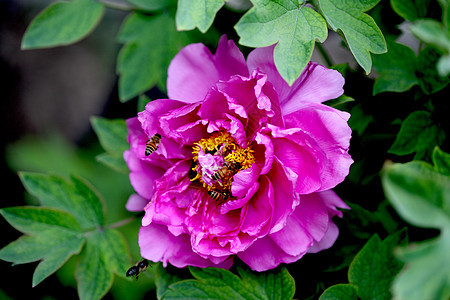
(245, 164)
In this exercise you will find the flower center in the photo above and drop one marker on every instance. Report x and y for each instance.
(215, 160)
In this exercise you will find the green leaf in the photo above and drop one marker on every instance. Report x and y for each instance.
(417, 133)
(419, 194)
(63, 23)
(197, 13)
(430, 80)
(359, 120)
(340, 292)
(150, 5)
(54, 236)
(441, 161)
(374, 267)
(359, 29)
(410, 10)
(142, 102)
(295, 27)
(75, 197)
(116, 163)
(106, 253)
(163, 279)
(443, 65)
(341, 100)
(426, 275)
(431, 32)
(222, 284)
(396, 69)
(150, 44)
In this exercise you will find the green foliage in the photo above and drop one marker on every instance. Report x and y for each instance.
(71, 215)
(112, 135)
(197, 13)
(396, 69)
(421, 196)
(150, 44)
(418, 133)
(63, 23)
(295, 27)
(150, 5)
(410, 10)
(222, 284)
(371, 272)
(359, 29)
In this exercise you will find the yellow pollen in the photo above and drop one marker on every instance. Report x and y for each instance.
(236, 159)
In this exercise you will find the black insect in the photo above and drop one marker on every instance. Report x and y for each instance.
(138, 268)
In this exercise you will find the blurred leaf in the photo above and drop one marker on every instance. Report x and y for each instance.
(359, 29)
(340, 292)
(443, 65)
(295, 27)
(417, 132)
(163, 279)
(396, 69)
(374, 267)
(430, 80)
(197, 13)
(222, 284)
(341, 100)
(150, 5)
(113, 138)
(63, 23)
(75, 197)
(421, 196)
(410, 10)
(150, 44)
(53, 237)
(432, 32)
(142, 102)
(359, 120)
(441, 161)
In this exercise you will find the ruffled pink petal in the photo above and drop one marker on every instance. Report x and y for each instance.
(149, 118)
(285, 199)
(316, 83)
(263, 152)
(327, 241)
(194, 70)
(136, 203)
(158, 244)
(299, 152)
(264, 254)
(332, 201)
(243, 180)
(142, 174)
(329, 129)
(240, 202)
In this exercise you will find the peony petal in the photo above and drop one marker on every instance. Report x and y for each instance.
(149, 118)
(332, 201)
(194, 70)
(264, 145)
(327, 241)
(243, 180)
(330, 131)
(264, 254)
(136, 203)
(316, 84)
(158, 244)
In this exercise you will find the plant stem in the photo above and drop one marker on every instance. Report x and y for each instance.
(118, 5)
(121, 222)
(324, 54)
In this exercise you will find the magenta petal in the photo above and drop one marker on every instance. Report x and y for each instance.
(158, 244)
(293, 238)
(263, 152)
(332, 201)
(329, 129)
(136, 203)
(194, 70)
(327, 241)
(243, 180)
(149, 118)
(264, 254)
(316, 83)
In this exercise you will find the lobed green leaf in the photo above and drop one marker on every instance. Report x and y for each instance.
(396, 69)
(63, 23)
(150, 44)
(340, 292)
(359, 29)
(441, 161)
(197, 13)
(75, 197)
(294, 28)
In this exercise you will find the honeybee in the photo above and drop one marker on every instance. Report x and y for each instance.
(138, 268)
(152, 144)
(192, 173)
(227, 170)
(219, 196)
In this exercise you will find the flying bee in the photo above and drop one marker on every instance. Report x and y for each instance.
(138, 268)
(219, 196)
(227, 170)
(152, 144)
